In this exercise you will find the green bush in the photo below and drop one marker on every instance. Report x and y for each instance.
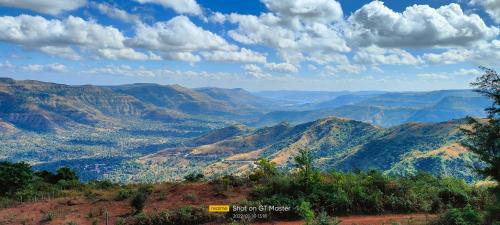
(123, 194)
(194, 177)
(324, 219)
(190, 197)
(103, 184)
(139, 201)
(464, 216)
(222, 184)
(14, 177)
(305, 211)
(47, 217)
(371, 192)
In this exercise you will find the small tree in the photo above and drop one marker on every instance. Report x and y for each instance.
(139, 201)
(307, 173)
(305, 211)
(265, 170)
(66, 173)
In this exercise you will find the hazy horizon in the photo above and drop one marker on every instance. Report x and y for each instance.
(236, 87)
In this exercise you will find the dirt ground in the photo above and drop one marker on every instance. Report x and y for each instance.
(403, 219)
(83, 210)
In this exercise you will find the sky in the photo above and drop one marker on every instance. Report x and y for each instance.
(253, 44)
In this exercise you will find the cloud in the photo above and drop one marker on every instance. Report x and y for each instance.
(486, 53)
(282, 67)
(61, 37)
(51, 7)
(314, 10)
(322, 58)
(179, 6)
(483, 53)
(125, 53)
(55, 67)
(295, 29)
(123, 70)
(344, 68)
(7, 65)
(243, 55)
(37, 31)
(58, 37)
(254, 71)
(433, 76)
(417, 26)
(63, 52)
(450, 56)
(375, 56)
(182, 56)
(115, 13)
(177, 34)
(275, 31)
(492, 7)
(217, 17)
(468, 72)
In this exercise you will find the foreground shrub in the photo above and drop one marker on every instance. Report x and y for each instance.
(123, 194)
(305, 211)
(194, 177)
(181, 216)
(464, 216)
(139, 201)
(324, 219)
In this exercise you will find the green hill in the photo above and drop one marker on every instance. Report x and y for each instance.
(337, 143)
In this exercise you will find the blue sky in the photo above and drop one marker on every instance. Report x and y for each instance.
(253, 44)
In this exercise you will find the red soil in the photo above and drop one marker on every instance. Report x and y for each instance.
(77, 209)
(403, 219)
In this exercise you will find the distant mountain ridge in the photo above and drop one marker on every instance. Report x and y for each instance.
(388, 109)
(41, 106)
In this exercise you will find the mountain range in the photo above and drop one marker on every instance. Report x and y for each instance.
(387, 109)
(152, 132)
(337, 143)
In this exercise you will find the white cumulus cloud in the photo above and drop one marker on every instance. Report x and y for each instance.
(177, 34)
(315, 10)
(282, 67)
(417, 26)
(58, 37)
(51, 7)
(376, 56)
(180, 6)
(492, 7)
(242, 55)
(450, 56)
(54, 67)
(116, 13)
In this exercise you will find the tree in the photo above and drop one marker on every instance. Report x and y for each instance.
(66, 173)
(307, 173)
(14, 176)
(265, 170)
(483, 137)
